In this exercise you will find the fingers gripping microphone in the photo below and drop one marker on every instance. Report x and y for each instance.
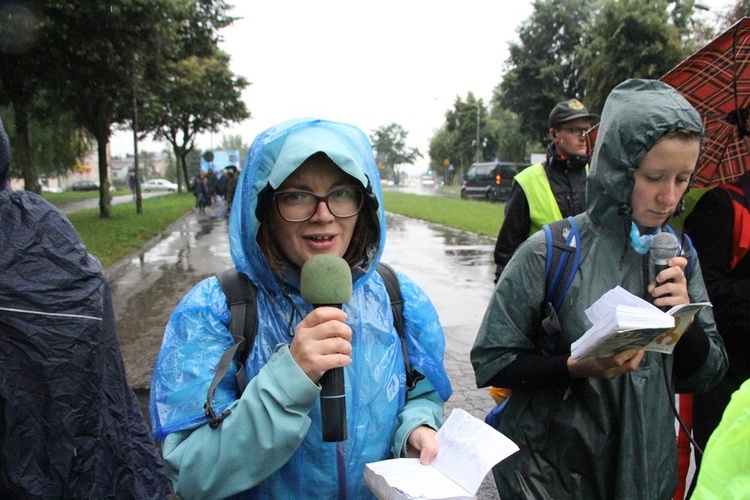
(664, 246)
(326, 280)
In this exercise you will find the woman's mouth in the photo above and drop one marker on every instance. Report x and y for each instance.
(321, 242)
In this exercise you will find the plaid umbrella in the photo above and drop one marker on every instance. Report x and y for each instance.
(716, 81)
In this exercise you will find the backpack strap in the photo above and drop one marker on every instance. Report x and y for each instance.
(397, 306)
(243, 325)
(563, 240)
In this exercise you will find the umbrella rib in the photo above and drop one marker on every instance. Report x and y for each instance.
(741, 123)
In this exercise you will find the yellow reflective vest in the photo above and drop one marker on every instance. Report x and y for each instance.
(543, 207)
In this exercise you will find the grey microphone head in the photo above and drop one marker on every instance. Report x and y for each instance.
(664, 246)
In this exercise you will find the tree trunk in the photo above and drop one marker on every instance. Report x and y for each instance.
(184, 169)
(22, 152)
(105, 198)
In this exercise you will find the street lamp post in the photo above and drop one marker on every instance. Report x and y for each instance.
(479, 145)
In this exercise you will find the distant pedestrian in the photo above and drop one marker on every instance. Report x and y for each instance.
(131, 182)
(201, 193)
(211, 178)
(230, 186)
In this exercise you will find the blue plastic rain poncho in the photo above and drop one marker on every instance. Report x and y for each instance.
(271, 442)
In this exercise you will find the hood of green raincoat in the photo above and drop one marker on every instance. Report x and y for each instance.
(273, 156)
(637, 113)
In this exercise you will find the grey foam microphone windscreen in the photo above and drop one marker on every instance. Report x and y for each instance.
(326, 280)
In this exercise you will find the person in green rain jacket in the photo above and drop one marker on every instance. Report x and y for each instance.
(604, 427)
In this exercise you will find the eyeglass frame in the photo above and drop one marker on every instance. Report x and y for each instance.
(318, 200)
(577, 131)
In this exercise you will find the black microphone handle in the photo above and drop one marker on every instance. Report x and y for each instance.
(333, 401)
(333, 405)
(657, 269)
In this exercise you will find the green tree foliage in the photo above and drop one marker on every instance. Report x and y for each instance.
(21, 69)
(56, 144)
(505, 126)
(545, 67)
(733, 14)
(97, 49)
(234, 142)
(390, 149)
(629, 39)
(441, 150)
(464, 125)
(201, 95)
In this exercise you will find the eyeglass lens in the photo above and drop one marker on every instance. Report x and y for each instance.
(298, 206)
(576, 130)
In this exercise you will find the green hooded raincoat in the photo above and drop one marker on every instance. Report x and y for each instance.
(592, 437)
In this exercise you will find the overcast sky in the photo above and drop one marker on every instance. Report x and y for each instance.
(366, 63)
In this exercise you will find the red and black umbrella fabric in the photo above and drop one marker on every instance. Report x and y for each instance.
(716, 81)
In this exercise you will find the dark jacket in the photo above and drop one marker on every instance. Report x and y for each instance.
(71, 425)
(593, 437)
(710, 225)
(567, 178)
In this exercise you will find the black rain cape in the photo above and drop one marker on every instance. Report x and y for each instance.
(70, 426)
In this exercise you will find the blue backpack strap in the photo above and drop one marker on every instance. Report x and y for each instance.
(563, 257)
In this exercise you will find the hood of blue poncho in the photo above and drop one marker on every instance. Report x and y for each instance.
(272, 157)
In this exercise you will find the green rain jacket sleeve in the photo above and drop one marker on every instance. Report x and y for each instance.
(266, 426)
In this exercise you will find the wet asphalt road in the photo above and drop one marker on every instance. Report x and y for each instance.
(454, 268)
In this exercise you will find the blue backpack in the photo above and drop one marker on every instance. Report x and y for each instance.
(562, 260)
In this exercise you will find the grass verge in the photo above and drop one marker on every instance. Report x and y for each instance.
(126, 231)
(59, 199)
(476, 216)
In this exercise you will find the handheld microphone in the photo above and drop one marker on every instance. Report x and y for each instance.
(664, 246)
(326, 280)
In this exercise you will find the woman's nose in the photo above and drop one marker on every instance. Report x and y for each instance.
(322, 213)
(670, 195)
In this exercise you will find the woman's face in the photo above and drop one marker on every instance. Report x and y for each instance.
(661, 179)
(323, 233)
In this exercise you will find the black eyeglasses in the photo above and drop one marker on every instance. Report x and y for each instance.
(299, 206)
(579, 131)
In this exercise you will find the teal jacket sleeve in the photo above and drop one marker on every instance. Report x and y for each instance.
(424, 406)
(265, 428)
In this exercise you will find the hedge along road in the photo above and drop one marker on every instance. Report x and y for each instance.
(454, 268)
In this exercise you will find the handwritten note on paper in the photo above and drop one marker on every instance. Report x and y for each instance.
(468, 449)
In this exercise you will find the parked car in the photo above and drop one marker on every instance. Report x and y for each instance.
(159, 185)
(490, 181)
(85, 186)
(51, 189)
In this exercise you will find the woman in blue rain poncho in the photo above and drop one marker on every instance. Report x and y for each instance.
(270, 446)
